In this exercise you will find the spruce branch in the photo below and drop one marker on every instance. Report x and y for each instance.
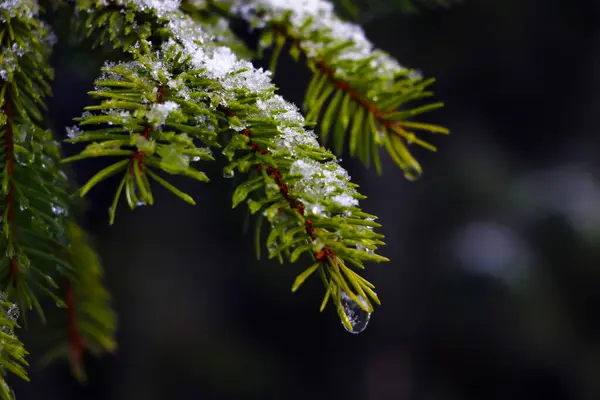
(146, 116)
(12, 352)
(295, 230)
(34, 189)
(299, 186)
(184, 90)
(38, 238)
(138, 103)
(359, 94)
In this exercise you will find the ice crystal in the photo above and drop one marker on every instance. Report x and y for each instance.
(219, 62)
(73, 131)
(159, 112)
(11, 56)
(323, 181)
(19, 8)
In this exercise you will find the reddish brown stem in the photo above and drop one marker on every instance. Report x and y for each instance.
(340, 83)
(325, 253)
(139, 155)
(76, 341)
(10, 199)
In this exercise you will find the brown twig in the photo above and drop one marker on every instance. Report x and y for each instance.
(10, 157)
(379, 115)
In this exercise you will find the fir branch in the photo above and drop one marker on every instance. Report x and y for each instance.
(156, 124)
(307, 199)
(12, 352)
(154, 127)
(295, 174)
(9, 198)
(35, 195)
(186, 90)
(360, 93)
(38, 230)
(305, 195)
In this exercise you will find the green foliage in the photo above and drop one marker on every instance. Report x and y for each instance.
(37, 226)
(140, 109)
(292, 182)
(12, 352)
(183, 90)
(361, 96)
(307, 200)
(34, 189)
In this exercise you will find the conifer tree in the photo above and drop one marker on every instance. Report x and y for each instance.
(184, 94)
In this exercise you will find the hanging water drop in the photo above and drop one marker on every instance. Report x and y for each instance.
(134, 195)
(412, 170)
(358, 318)
(138, 194)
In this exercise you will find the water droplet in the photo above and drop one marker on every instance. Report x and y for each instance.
(360, 247)
(412, 171)
(58, 210)
(359, 318)
(137, 194)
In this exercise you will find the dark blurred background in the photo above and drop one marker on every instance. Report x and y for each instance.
(493, 290)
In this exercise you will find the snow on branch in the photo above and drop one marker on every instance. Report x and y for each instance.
(299, 187)
(358, 92)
